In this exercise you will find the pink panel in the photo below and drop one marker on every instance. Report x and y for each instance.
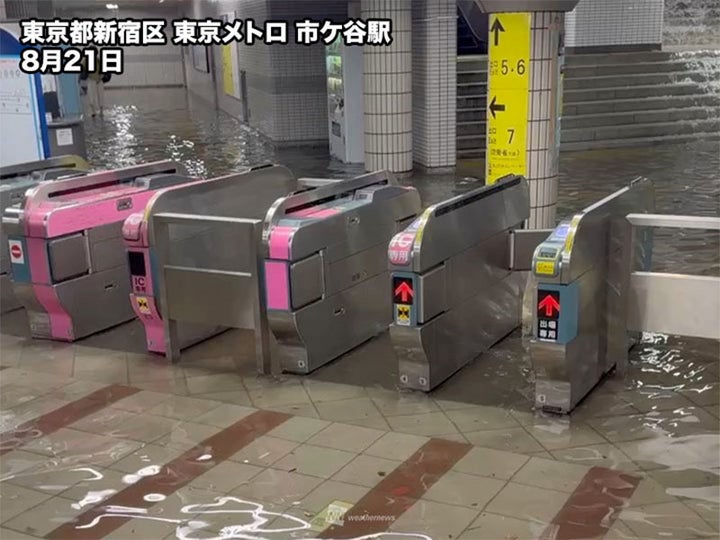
(277, 287)
(60, 322)
(38, 260)
(314, 213)
(79, 218)
(131, 227)
(155, 336)
(152, 323)
(325, 212)
(280, 242)
(301, 213)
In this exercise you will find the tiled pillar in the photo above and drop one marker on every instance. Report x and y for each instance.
(545, 108)
(434, 72)
(388, 90)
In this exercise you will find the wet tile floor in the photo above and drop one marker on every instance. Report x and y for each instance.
(99, 440)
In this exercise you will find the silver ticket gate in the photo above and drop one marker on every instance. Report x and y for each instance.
(199, 245)
(592, 289)
(15, 180)
(577, 296)
(69, 268)
(457, 280)
(326, 273)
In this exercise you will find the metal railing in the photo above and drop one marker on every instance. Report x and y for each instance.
(677, 304)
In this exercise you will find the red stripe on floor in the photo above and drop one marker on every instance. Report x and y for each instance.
(67, 414)
(399, 490)
(176, 474)
(593, 507)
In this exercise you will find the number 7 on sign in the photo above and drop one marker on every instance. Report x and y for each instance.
(512, 134)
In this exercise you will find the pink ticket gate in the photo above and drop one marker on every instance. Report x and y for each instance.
(244, 195)
(69, 268)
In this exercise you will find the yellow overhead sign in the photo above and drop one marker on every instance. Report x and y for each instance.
(507, 98)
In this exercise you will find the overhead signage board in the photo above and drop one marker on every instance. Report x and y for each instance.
(22, 106)
(507, 97)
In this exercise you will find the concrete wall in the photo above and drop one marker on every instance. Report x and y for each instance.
(607, 25)
(286, 86)
(151, 66)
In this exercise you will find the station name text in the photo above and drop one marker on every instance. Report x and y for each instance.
(65, 46)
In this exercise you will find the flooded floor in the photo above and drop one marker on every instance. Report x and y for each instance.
(99, 440)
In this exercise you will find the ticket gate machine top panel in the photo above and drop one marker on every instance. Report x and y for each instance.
(44, 169)
(72, 277)
(577, 296)
(325, 270)
(15, 180)
(454, 292)
(246, 194)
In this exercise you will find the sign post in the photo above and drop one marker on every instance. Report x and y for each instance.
(524, 98)
(508, 90)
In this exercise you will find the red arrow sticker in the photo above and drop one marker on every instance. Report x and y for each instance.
(403, 292)
(548, 304)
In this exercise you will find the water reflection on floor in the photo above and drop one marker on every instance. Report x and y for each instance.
(166, 457)
(145, 125)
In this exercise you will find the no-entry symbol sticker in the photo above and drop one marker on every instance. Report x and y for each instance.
(17, 256)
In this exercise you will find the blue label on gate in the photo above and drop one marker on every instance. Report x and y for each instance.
(557, 312)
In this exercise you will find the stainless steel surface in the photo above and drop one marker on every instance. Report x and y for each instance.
(356, 219)
(588, 270)
(68, 257)
(15, 180)
(210, 296)
(675, 304)
(522, 247)
(306, 281)
(103, 247)
(466, 296)
(59, 162)
(248, 195)
(671, 221)
(96, 301)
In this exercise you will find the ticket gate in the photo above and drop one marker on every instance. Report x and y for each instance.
(457, 280)
(69, 268)
(15, 180)
(246, 194)
(578, 295)
(325, 269)
(592, 290)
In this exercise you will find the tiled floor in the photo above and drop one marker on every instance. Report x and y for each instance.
(95, 444)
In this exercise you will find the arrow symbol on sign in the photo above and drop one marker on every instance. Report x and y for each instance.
(496, 28)
(404, 291)
(496, 106)
(549, 304)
